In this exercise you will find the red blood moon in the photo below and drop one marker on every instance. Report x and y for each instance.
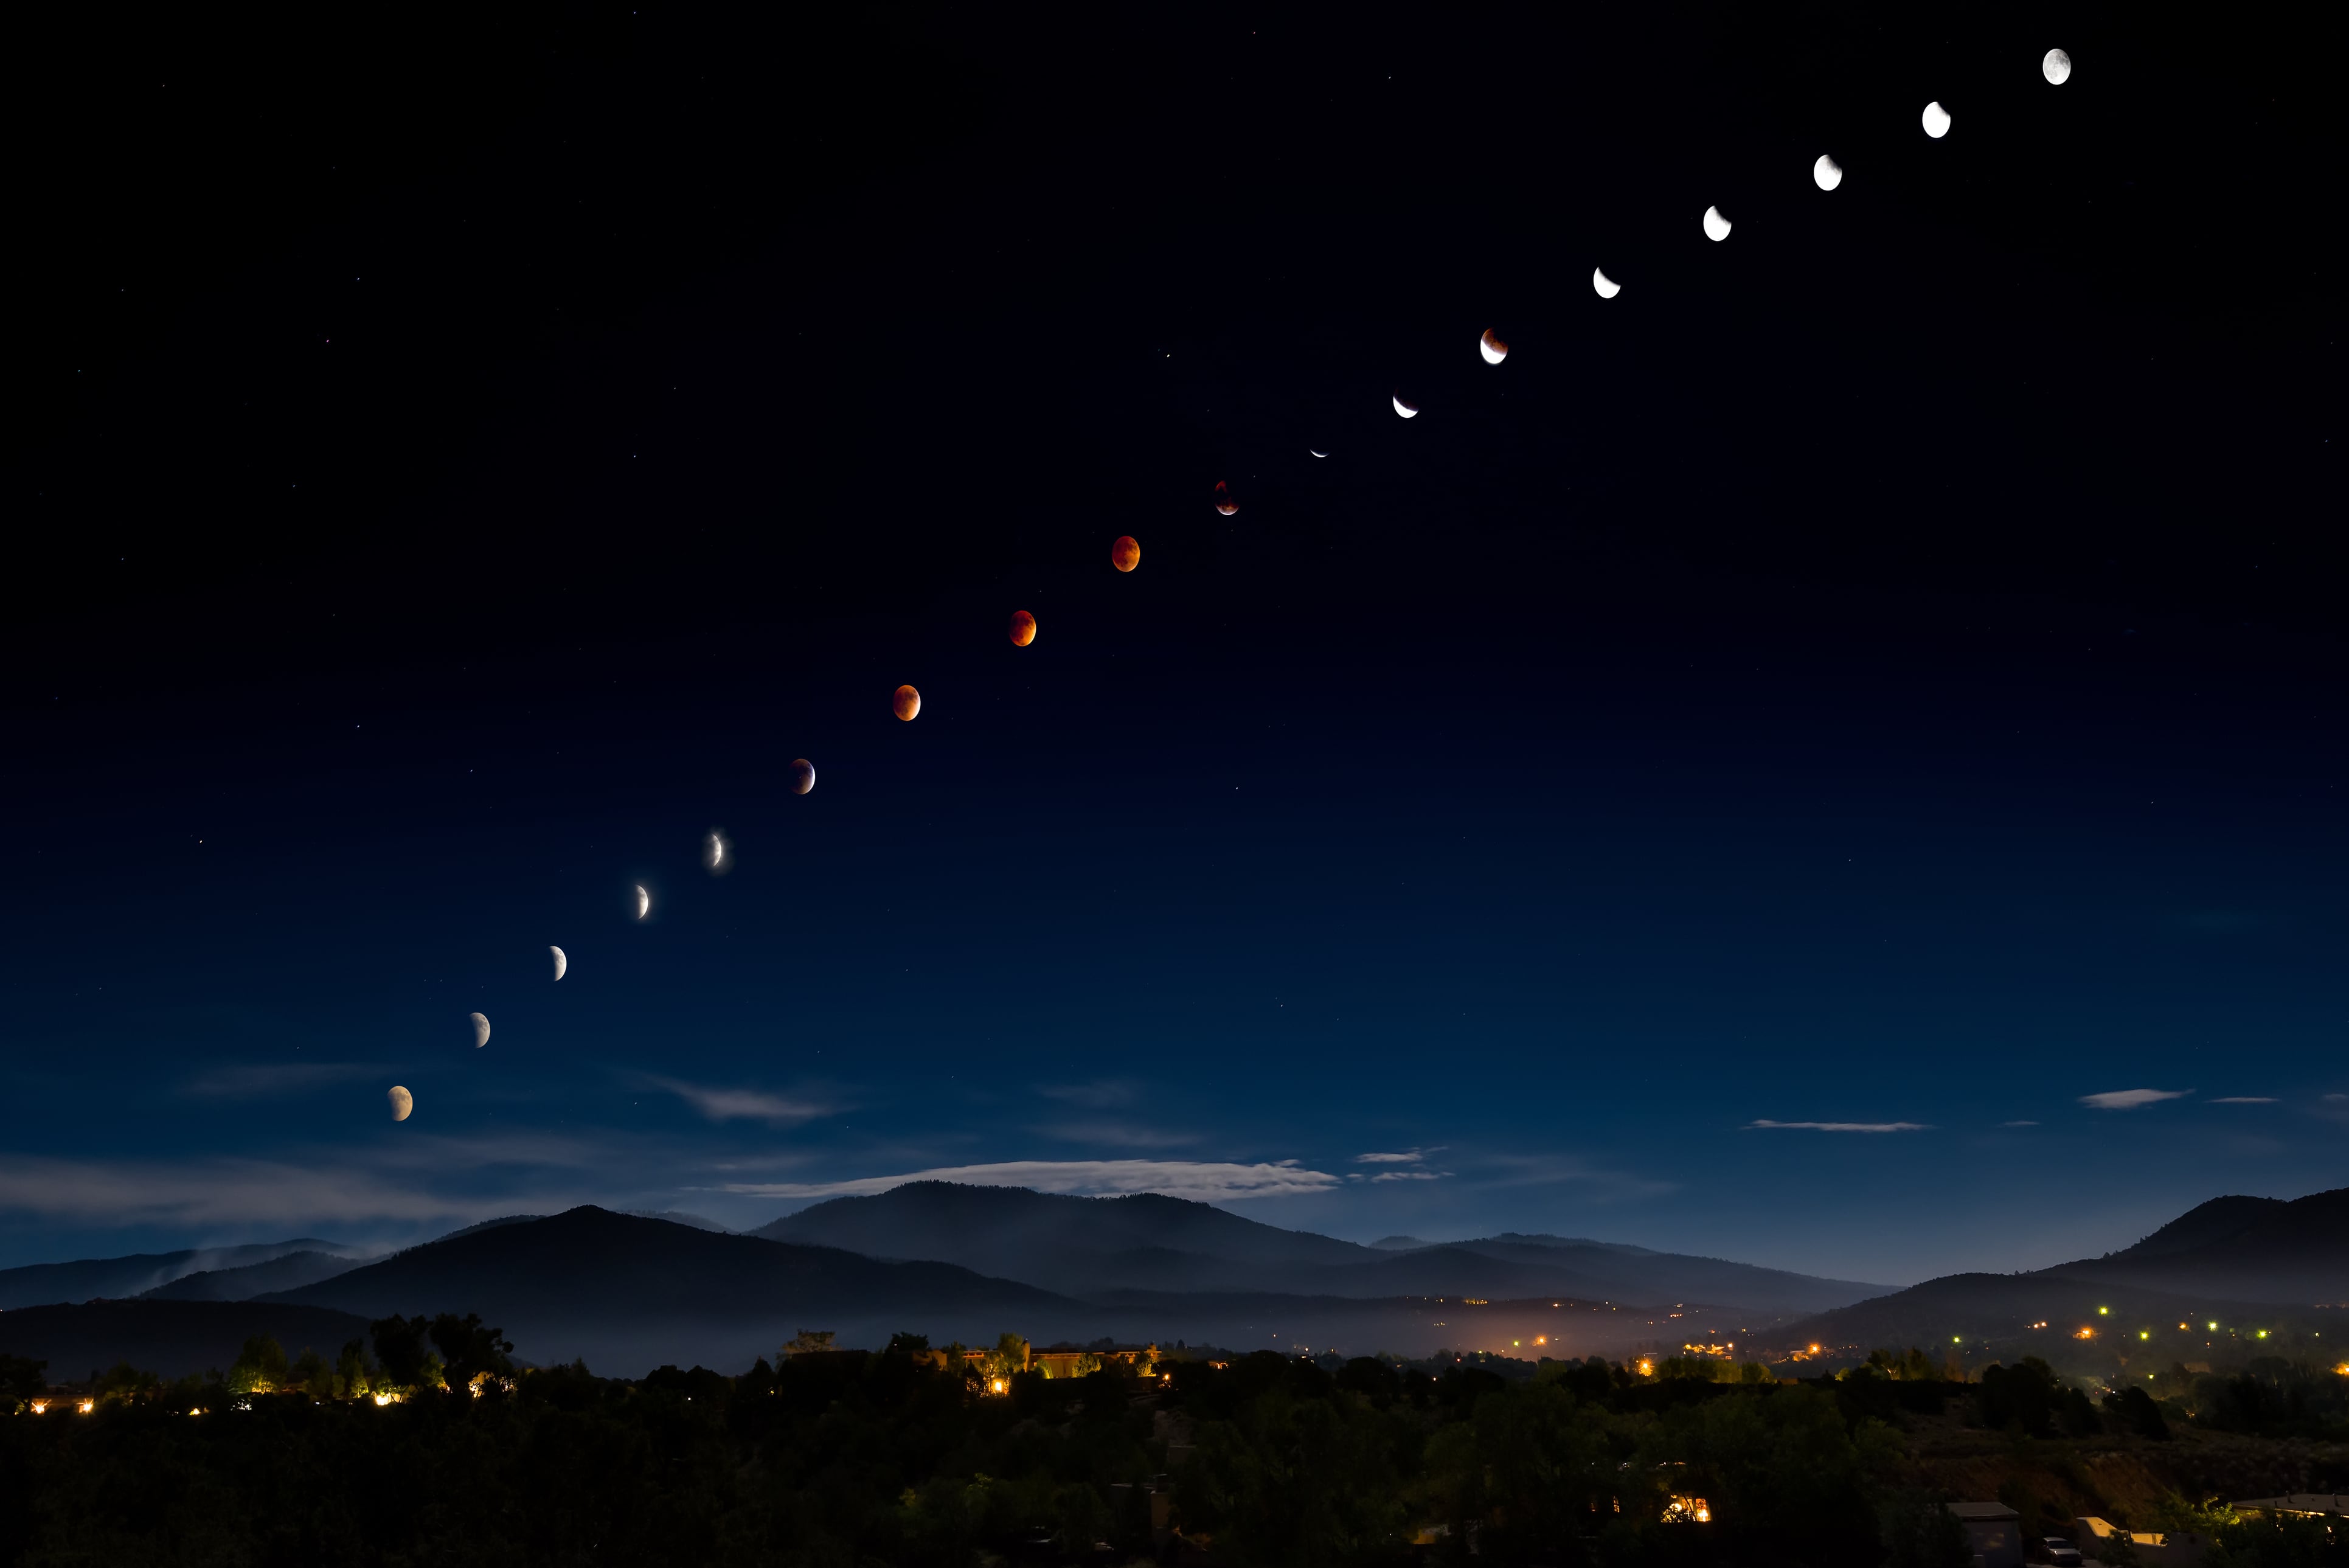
(908, 701)
(802, 776)
(1023, 628)
(1490, 346)
(1224, 502)
(1125, 555)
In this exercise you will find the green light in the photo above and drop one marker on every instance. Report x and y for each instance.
(2141, 1333)
(2211, 1326)
(2104, 1312)
(2263, 1334)
(1955, 1340)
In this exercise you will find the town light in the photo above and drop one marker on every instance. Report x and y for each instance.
(383, 1399)
(2145, 1333)
(2104, 1312)
(87, 1406)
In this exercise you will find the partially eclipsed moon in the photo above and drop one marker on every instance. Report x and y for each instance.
(481, 1031)
(1224, 502)
(1125, 555)
(716, 853)
(402, 1102)
(1607, 287)
(906, 703)
(1828, 172)
(1936, 120)
(1408, 410)
(560, 963)
(1023, 628)
(1716, 227)
(644, 902)
(802, 776)
(2056, 67)
(1490, 346)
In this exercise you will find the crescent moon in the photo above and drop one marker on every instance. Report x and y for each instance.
(481, 1031)
(560, 963)
(402, 1102)
(1936, 120)
(1490, 346)
(1317, 454)
(644, 902)
(1408, 410)
(717, 854)
(2056, 67)
(802, 776)
(1607, 287)
(1716, 227)
(1828, 172)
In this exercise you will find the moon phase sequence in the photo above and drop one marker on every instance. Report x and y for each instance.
(802, 776)
(1023, 628)
(481, 1030)
(906, 703)
(1125, 555)
(402, 1102)
(560, 963)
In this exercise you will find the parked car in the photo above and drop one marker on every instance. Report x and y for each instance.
(2057, 1552)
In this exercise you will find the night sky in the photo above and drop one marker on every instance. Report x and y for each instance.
(1882, 670)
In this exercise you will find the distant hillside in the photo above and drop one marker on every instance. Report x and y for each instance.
(288, 1273)
(175, 1338)
(113, 1278)
(628, 1294)
(2242, 1249)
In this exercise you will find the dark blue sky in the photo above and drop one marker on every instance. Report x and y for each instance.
(1881, 672)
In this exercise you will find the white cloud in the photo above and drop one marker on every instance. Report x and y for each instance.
(1207, 1180)
(2337, 1097)
(2131, 1098)
(214, 1192)
(2245, 1099)
(1559, 1169)
(1412, 1158)
(1843, 1126)
(741, 1104)
(270, 1080)
(2018, 1124)
(1411, 1175)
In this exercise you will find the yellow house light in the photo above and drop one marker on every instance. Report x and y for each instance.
(2104, 1312)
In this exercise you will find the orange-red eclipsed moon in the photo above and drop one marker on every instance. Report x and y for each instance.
(1224, 502)
(802, 776)
(908, 701)
(1125, 555)
(1023, 628)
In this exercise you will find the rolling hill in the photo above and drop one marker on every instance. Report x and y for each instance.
(2241, 1249)
(288, 1273)
(112, 1278)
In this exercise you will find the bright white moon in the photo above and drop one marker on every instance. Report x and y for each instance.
(644, 902)
(560, 963)
(402, 1102)
(1405, 409)
(2056, 67)
(717, 854)
(1716, 227)
(1936, 120)
(1828, 172)
(481, 1031)
(1492, 348)
(1607, 287)
(1317, 454)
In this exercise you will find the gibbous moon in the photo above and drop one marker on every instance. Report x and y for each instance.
(1490, 346)
(560, 963)
(802, 776)
(1607, 287)
(644, 902)
(1224, 502)
(2056, 67)
(402, 1102)
(716, 853)
(481, 1031)
(1408, 410)
(1125, 555)
(906, 703)
(1936, 120)
(1023, 628)
(1828, 172)
(1716, 227)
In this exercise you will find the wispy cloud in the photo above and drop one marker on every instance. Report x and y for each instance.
(215, 1193)
(741, 1104)
(1102, 1094)
(1411, 1175)
(1413, 1156)
(2018, 1124)
(1842, 1126)
(1118, 1134)
(2245, 1099)
(2131, 1098)
(274, 1080)
(1565, 1170)
(1207, 1180)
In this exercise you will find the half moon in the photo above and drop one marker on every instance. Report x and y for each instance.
(906, 703)
(1490, 346)
(402, 1102)
(1607, 287)
(644, 902)
(802, 776)
(1125, 555)
(1935, 119)
(1828, 172)
(2056, 67)
(1716, 227)
(481, 1031)
(1408, 410)
(560, 963)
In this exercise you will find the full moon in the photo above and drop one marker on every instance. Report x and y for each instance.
(1607, 287)
(1828, 172)
(560, 963)
(402, 1102)
(1936, 120)
(906, 703)
(1023, 628)
(1224, 502)
(1125, 555)
(1408, 410)
(1490, 346)
(481, 1031)
(1716, 227)
(802, 776)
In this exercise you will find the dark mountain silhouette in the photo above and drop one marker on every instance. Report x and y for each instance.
(2244, 1250)
(627, 1294)
(171, 1338)
(288, 1273)
(1399, 1244)
(1089, 1246)
(2202, 1225)
(1975, 1313)
(112, 1278)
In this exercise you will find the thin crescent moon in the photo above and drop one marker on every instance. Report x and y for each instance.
(1317, 454)
(644, 902)
(1607, 287)
(1405, 409)
(560, 963)
(481, 1031)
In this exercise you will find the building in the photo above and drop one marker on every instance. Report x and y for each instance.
(2298, 1504)
(2176, 1548)
(1994, 1532)
(1066, 1361)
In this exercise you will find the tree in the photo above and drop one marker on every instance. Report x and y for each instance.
(312, 1375)
(400, 1350)
(21, 1380)
(1919, 1532)
(2133, 1410)
(2020, 1397)
(354, 1373)
(260, 1367)
(470, 1349)
(807, 1342)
